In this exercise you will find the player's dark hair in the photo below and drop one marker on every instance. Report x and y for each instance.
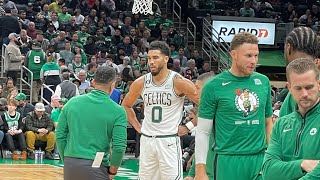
(304, 39)
(105, 75)
(161, 46)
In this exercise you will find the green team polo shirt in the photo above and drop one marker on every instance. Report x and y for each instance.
(238, 106)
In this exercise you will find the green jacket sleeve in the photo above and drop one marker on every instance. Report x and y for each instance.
(62, 131)
(312, 175)
(192, 171)
(119, 139)
(288, 106)
(274, 168)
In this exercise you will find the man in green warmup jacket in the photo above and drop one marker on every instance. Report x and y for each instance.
(89, 124)
(294, 149)
(301, 42)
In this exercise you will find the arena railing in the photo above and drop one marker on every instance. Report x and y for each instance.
(191, 29)
(30, 78)
(44, 86)
(3, 61)
(214, 47)
(175, 13)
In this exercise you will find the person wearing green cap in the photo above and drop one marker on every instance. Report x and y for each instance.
(23, 106)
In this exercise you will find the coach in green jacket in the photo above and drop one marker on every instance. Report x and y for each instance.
(89, 124)
(294, 150)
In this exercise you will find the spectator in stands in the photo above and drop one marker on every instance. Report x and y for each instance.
(23, 19)
(134, 58)
(197, 58)
(1, 91)
(30, 13)
(32, 31)
(190, 72)
(24, 42)
(247, 11)
(125, 64)
(112, 27)
(304, 18)
(116, 38)
(8, 24)
(205, 68)
(85, 9)
(9, 4)
(66, 89)
(181, 57)
(23, 107)
(79, 17)
(176, 66)
(82, 75)
(55, 22)
(76, 64)
(59, 42)
(289, 14)
(92, 67)
(2, 12)
(9, 85)
(50, 76)
(64, 16)
(83, 35)
(13, 57)
(90, 47)
(40, 22)
(56, 112)
(54, 103)
(127, 26)
(315, 13)
(71, 27)
(13, 126)
(45, 12)
(51, 32)
(110, 62)
(275, 115)
(55, 6)
(109, 5)
(3, 109)
(34, 60)
(42, 41)
(39, 127)
(66, 54)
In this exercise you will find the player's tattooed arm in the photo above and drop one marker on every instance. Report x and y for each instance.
(184, 87)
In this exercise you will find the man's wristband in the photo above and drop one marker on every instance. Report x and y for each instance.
(109, 172)
(189, 125)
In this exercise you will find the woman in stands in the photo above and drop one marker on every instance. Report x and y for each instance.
(13, 127)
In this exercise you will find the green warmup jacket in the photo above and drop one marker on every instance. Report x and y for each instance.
(293, 139)
(288, 106)
(88, 124)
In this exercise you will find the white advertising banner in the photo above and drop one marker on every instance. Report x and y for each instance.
(265, 32)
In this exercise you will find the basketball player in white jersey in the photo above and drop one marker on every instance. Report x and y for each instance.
(163, 93)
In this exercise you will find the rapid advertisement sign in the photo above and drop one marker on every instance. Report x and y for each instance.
(265, 32)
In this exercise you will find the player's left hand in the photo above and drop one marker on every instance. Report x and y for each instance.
(182, 130)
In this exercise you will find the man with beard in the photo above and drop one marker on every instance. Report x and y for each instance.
(301, 42)
(163, 92)
(23, 106)
(13, 57)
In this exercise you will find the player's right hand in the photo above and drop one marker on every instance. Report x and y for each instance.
(201, 177)
(188, 178)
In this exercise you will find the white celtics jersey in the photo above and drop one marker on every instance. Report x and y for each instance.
(162, 107)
